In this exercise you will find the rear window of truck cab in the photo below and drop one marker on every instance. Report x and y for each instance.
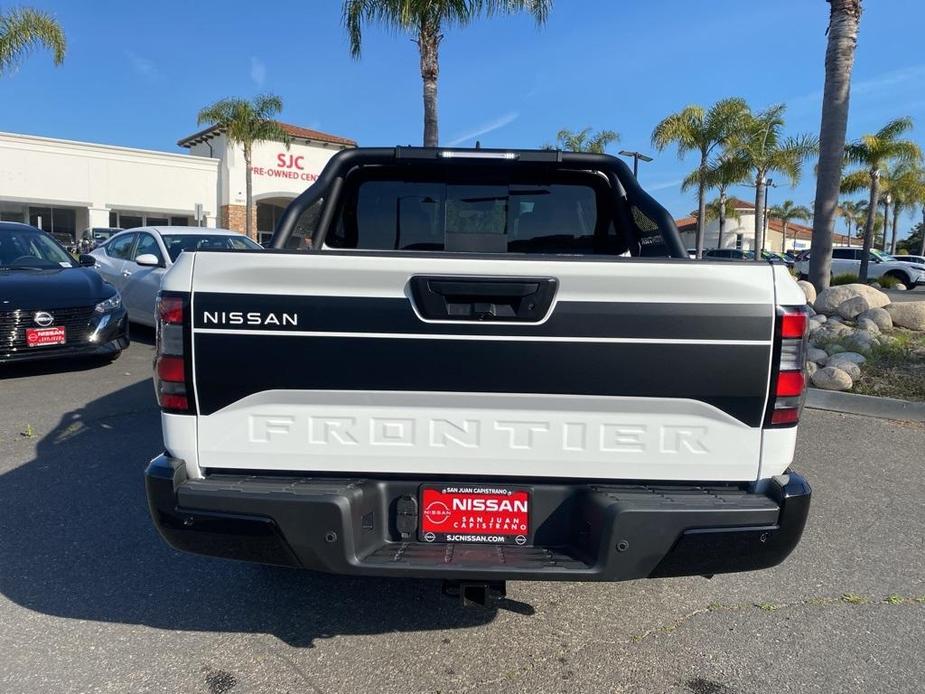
(551, 214)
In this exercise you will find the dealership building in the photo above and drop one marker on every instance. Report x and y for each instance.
(65, 186)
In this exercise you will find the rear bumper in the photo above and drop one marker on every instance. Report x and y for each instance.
(583, 532)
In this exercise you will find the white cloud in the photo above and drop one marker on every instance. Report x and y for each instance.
(663, 186)
(258, 71)
(886, 81)
(485, 128)
(143, 66)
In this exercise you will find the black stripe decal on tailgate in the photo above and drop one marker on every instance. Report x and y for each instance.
(695, 321)
(732, 378)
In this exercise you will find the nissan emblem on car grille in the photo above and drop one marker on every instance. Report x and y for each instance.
(43, 319)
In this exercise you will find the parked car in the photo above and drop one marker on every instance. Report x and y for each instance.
(848, 261)
(739, 254)
(51, 305)
(479, 388)
(135, 260)
(727, 254)
(93, 237)
(915, 259)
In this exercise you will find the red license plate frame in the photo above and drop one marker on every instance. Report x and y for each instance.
(45, 337)
(475, 514)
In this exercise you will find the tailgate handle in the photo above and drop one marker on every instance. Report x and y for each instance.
(524, 300)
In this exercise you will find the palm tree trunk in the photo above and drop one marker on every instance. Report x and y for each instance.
(895, 225)
(701, 209)
(722, 218)
(759, 215)
(783, 236)
(248, 193)
(869, 228)
(922, 247)
(428, 44)
(849, 232)
(844, 20)
(886, 224)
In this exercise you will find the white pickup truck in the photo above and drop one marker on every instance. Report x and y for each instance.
(479, 365)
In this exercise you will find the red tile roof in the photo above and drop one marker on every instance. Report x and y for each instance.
(294, 131)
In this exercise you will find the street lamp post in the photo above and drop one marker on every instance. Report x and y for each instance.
(636, 157)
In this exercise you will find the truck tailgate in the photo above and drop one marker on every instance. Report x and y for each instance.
(613, 369)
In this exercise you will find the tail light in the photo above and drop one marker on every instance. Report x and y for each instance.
(173, 380)
(788, 378)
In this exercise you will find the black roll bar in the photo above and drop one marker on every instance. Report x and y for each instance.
(330, 183)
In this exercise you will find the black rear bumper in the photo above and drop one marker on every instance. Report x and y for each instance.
(583, 532)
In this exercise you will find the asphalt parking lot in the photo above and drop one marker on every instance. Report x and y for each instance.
(91, 600)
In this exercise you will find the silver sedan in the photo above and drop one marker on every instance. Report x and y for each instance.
(135, 260)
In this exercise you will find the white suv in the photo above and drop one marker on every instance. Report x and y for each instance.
(848, 260)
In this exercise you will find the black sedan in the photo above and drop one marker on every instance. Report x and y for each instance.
(52, 306)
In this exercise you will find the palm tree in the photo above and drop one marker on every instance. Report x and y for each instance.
(760, 142)
(24, 29)
(245, 123)
(584, 140)
(844, 20)
(719, 207)
(725, 171)
(425, 20)
(785, 213)
(704, 131)
(851, 211)
(873, 153)
(908, 189)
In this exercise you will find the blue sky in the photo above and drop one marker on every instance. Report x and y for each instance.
(136, 73)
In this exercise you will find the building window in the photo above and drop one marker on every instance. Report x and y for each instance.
(739, 241)
(179, 221)
(60, 222)
(267, 215)
(130, 221)
(156, 221)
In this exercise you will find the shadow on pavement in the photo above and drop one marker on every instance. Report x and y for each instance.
(77, 542)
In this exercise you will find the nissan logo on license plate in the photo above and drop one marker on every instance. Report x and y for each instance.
(43, 319)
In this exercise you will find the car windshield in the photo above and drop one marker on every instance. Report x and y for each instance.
(177, 243)
(31, 248)
(880, 255)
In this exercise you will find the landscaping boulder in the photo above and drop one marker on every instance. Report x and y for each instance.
(861, 341)
(835, 348)
(867, 325)
(909, 314)
(845, 356)
(850, 368)
(880, 316)
(831, 298)
(814, 354)
(899, 287)
(809, 290)
(811, 368)
(810, 311)
(853, 307)
(831, 378)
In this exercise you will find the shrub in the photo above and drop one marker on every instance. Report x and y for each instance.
(844, 278)
(887, 281)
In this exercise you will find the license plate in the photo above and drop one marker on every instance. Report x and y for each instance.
(41, 337)
(485, 514)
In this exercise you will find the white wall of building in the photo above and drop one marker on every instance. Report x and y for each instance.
(97, 179)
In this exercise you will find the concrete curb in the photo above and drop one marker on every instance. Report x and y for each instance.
(867, 405)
